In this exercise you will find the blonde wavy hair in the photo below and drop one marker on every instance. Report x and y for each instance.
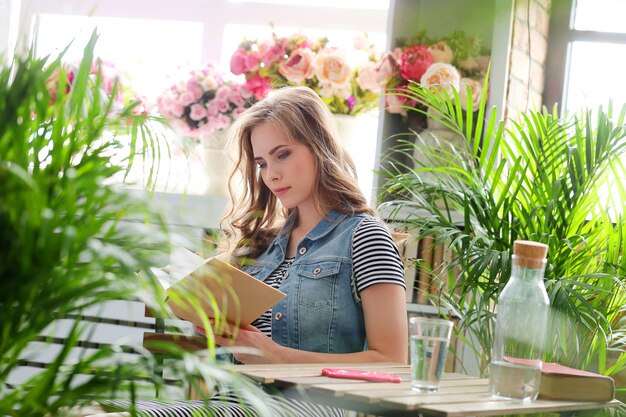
(255, 215)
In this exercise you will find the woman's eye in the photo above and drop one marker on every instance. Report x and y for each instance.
(284, 155)
(261, 165)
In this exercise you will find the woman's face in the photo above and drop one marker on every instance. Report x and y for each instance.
(287, 167)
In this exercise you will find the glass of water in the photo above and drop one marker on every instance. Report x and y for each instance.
(429, 343)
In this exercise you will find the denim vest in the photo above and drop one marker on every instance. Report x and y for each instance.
(322, 312)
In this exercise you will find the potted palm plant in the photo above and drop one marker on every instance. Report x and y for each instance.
(539, 177)
(64, 247)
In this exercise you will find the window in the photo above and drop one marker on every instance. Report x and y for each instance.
(151, 40)
(586, 63)
(586, 55)
(164, 45)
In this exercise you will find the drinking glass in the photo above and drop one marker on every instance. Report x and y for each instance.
(429, 341)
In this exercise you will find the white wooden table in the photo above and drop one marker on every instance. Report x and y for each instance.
(459, 395)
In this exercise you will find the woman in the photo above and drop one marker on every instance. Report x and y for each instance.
(306, 225)
(302, 225)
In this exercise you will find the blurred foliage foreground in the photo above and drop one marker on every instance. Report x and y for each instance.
(64, 246)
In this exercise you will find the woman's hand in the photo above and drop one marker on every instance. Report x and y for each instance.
(249, 344)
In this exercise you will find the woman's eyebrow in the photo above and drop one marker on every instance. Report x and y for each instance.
(275, 148)
(271, 152)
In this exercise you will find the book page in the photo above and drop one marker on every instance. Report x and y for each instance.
(182, 263)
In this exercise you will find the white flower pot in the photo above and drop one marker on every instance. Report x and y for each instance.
(217, 163)
(358, 135)
(217, 168)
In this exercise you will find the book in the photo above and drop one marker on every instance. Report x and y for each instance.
(560, 382)
(217, 287)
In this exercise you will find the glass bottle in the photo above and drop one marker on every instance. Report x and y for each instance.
(522, 319)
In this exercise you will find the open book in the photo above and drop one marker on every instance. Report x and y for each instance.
(217, 288)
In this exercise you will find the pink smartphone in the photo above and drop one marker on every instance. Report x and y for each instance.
(364, 375)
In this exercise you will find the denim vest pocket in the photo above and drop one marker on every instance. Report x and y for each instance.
(318, 280)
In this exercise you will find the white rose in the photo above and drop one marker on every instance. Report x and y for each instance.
(441, 76)
(472, 86)
(331, 66)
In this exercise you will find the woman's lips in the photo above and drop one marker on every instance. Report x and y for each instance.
(280, 191)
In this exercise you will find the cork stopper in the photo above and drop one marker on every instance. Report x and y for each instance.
(529, 254)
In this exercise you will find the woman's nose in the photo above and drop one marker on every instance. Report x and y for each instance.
(273, 173)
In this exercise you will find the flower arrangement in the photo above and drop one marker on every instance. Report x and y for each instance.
(204, 103)
(454, 62)
(109, 79)
(297, 60)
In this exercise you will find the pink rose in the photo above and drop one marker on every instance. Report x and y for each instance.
(221, 121)
(441, 76)
(177, 109)
(212, 108)
(194, 88)
(393, 104)
(197, 112)
(441, 52)
(252, 61)
(187, 98)
(473, 87)
(259, 86)
(165, 102)
(237, 111)
(223, 93)
(244, 91)
(367, 78)
(223, 106)
(387, 69)
(241, 90)
(331, 66)
(271, 52)
(238, 62)
(237, 100)
(299, 66)
(415, 62)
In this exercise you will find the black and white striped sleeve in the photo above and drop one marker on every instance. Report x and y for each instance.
(375, 257)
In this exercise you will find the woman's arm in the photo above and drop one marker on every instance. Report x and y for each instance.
(384, 308)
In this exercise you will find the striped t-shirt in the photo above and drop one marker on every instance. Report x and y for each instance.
(375, 260)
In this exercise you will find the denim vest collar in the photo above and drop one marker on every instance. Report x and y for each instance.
(324, 227)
